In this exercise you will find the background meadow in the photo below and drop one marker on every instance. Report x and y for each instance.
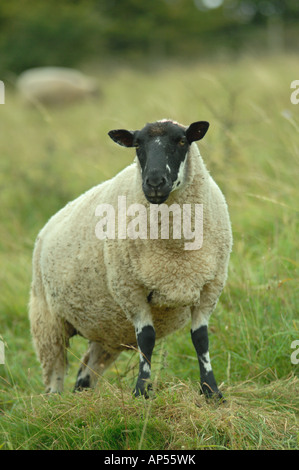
(49, 156)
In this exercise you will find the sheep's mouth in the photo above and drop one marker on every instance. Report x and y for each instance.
(156, 195)
(157, 200)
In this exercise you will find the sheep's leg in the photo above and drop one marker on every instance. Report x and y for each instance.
(199, 335)
(201, 343)
(145, 336)
(136, 306)
(51, 338)
(56, 376)
(93, 364)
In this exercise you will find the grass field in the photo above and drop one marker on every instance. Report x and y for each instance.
(50, 156)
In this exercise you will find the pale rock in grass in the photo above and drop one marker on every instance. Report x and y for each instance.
(55, 86)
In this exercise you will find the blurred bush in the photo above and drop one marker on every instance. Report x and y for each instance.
(36, 33)
(69, 32)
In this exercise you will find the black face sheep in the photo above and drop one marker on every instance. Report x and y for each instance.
(110, 267)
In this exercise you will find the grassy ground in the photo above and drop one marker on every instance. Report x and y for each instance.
(49, 157)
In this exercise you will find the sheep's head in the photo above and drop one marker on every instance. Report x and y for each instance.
(162, 149)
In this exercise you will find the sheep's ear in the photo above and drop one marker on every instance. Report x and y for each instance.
(196, 131)
(122, 137)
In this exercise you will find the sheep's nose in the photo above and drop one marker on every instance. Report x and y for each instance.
(156, 187)
(155, 181)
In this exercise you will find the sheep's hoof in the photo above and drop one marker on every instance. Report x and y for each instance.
(52, 393)
(212, 396)
(216, 398)
(82, 383)
(142, 392)
(138, 393)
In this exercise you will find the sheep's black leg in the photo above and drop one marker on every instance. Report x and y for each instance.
(94, 362)
(201, 343)
(146, 342)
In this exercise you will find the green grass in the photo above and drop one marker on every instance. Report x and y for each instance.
(178, 418)
(49, 157)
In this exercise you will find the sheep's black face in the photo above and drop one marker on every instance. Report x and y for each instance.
(162, 149)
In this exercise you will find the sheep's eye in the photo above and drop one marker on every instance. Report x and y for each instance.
(182, 142)
(137, 145)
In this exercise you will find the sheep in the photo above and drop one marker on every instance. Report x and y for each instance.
(55, 85)
(121, 292)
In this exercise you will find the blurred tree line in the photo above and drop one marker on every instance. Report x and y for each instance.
(69, 32)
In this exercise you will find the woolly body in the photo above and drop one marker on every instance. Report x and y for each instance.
(104, 289)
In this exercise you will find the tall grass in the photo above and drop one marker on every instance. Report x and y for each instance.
(50, 156)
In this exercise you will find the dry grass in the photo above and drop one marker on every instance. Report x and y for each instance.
(253, 417)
